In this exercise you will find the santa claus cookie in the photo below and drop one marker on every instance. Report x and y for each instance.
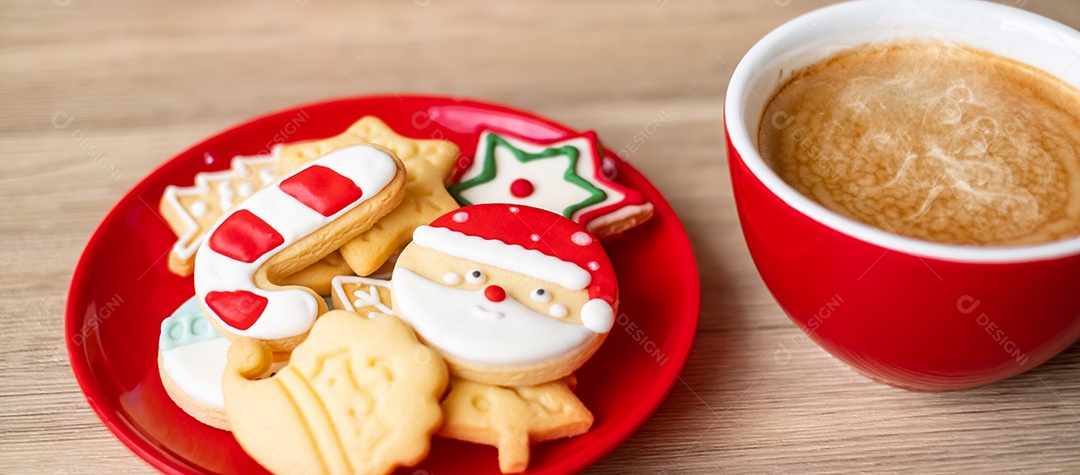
(565, 176)
(508, 295)
(284, 227)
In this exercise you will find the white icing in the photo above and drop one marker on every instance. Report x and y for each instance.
(460, 217)
(241, 166)
(360, 298)
(477, 311)
(245, 189)
(512, 257)
(558, 311)
(552, 191)
(618, 215)
(267, 176)
(581, 238)
(198, 209)
(593, 265)
(451, 278)
(197, 370)
(475, 277)
(464, 324)
(225, 195)
(541, 295)
(597, 315)
(288, 312)
(534, 237)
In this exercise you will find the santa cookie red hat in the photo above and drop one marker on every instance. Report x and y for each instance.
(530, 241)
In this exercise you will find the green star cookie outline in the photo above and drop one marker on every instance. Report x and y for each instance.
(488, 172)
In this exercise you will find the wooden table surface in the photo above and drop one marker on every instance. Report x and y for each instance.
(143, 81)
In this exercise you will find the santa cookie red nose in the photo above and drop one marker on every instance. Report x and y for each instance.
(495, 293)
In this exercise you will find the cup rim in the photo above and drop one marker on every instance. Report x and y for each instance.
(744, 143)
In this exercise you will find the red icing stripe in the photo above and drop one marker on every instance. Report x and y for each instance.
(244, 237)
(239, 309)
(322, 189)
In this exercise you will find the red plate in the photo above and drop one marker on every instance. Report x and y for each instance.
(122, 290)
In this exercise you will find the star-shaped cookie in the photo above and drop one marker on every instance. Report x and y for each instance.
(564, 176)
(427, 163)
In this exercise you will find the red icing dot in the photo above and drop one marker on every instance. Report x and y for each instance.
(521, 188)
(239, 309)
(495, 293)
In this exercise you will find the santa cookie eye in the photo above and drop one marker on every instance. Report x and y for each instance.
(475, 277)
(541, 295)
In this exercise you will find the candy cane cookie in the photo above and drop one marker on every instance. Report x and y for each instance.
(284, 227)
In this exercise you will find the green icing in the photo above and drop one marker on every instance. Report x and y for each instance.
(185, 326)
(488, 171)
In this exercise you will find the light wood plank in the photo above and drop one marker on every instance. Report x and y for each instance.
(144, 81)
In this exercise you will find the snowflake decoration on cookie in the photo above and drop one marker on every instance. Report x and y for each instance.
(564, 176)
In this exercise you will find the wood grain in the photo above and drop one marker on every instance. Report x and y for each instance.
(144, 80)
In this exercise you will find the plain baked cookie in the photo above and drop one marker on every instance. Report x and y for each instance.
(320, 275)
(513, 418)
(285, 227)
(508, 295)
(359, 396)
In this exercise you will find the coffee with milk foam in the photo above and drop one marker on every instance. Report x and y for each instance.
(933, 141)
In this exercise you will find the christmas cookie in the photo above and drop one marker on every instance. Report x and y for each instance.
(284, 227)
(564, 176)
(511, 419)
(362, 295)
(191, 210)
(191, 361)
(508, 295)
(428, 162)
(319, 276)
(353, 399)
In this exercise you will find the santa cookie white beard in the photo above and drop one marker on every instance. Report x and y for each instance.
(484, 287)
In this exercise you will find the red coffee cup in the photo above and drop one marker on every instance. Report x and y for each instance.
(910, 313)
